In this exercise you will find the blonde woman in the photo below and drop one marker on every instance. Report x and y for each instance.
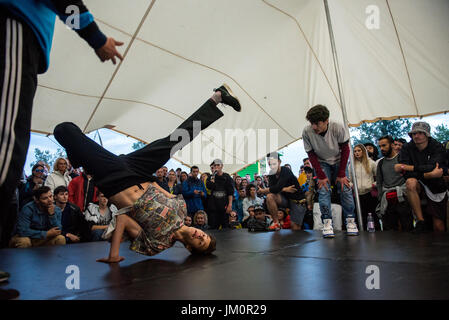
(200, 220)
(60, 175)
(365, 171)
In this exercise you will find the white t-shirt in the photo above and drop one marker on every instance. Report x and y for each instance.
(326, 147)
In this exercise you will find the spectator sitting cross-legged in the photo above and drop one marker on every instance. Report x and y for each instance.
(39, 222)
(284, 191)
(423, 163)
(74, 227)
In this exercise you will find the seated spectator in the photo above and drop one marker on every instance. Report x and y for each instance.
(372, 150)
(173, 186)
(250, 215)
(74, 226)
(39, 222)
(260, 221)
(365, 171)
(422, 161)
(393, 207)
(398, 143)
(237, 204)
(82, 190)
(251, 200)
(194, 191)
(233, 221)
(98, 216)
(188, 221)
(33, 182)
(160, 179)
(200, 220)
(60, 176)
(284, 218)
(284, 191)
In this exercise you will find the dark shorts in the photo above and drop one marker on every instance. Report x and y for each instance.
(297, 211)
(437, 209)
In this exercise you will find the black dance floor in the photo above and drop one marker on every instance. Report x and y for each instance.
(282, 265)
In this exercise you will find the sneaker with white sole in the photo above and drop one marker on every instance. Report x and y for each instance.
(328, 230)
(351, 227)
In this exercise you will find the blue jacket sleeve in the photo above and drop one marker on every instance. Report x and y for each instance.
(83, 24)
(187, 192)
(24, 223)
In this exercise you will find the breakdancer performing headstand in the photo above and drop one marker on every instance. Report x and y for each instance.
(154, 218)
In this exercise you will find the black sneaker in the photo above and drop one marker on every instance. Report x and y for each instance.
(420, 227)
(227, 97)
(4, 276)
(9, 294)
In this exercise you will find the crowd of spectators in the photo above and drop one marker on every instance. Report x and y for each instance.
(403, 187)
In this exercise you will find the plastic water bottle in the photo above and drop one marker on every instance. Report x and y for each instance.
(370, 219)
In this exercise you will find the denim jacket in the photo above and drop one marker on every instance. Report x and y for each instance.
(34, 223)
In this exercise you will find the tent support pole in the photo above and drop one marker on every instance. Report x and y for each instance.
(345, 117)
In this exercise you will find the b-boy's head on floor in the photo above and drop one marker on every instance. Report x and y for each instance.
(318, 116)
(197, 241)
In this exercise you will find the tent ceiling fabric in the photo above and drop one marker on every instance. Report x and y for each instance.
(275, 55)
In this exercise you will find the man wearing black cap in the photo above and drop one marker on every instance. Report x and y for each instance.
(422, 162)
(220, 201)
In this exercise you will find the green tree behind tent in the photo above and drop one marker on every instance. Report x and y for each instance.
(47, 156)
(441, 133)
(138, 145)
(370, 132)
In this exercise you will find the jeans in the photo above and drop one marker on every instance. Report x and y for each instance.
(96, 235)
(324, 196)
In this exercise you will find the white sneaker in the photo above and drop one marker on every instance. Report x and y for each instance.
(328, 231)
(351, 227)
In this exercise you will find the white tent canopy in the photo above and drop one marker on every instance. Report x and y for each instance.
(275, 55)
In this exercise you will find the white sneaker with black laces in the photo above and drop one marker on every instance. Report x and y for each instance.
(351, 227)
(328, 230)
